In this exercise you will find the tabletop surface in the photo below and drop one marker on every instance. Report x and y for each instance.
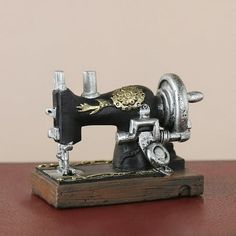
(22, 213)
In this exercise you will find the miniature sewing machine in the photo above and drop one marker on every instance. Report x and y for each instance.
(144, 166)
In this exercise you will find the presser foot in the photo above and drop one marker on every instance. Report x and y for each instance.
(66, 172)
(64, 168)
(63, 159)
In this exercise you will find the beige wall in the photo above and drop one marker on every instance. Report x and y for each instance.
(126, 42)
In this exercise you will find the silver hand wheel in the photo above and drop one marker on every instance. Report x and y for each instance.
(175, 99)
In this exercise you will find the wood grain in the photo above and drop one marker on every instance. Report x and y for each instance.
(182, 183)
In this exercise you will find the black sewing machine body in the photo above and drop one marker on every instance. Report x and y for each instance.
(70, 119)
(147, 126)
(102, 110)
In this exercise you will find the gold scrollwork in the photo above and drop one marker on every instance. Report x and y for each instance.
(93, 108)
(128, 97)
(125, 98)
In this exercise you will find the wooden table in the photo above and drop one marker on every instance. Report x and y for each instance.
(212, 214)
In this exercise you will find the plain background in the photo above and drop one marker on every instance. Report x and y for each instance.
(126, 42)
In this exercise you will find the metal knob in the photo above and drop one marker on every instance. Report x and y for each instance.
(195, 96)
(51, 112)
(59, 81)
(90, 85)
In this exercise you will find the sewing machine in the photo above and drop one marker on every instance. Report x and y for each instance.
(147, 125)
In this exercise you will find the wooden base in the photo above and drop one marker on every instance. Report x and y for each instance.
(97, 184)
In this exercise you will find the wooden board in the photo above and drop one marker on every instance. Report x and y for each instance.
(111, 187)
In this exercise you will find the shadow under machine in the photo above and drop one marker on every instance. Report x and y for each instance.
(144, 166)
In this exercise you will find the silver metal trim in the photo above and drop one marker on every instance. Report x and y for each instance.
(51, 112)
(157, 155)
(54, 133)
(175, 103)
(174, 94)
(90, 85)
(59, 81)
(144, 111)
(63, 159)
(195, 96)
